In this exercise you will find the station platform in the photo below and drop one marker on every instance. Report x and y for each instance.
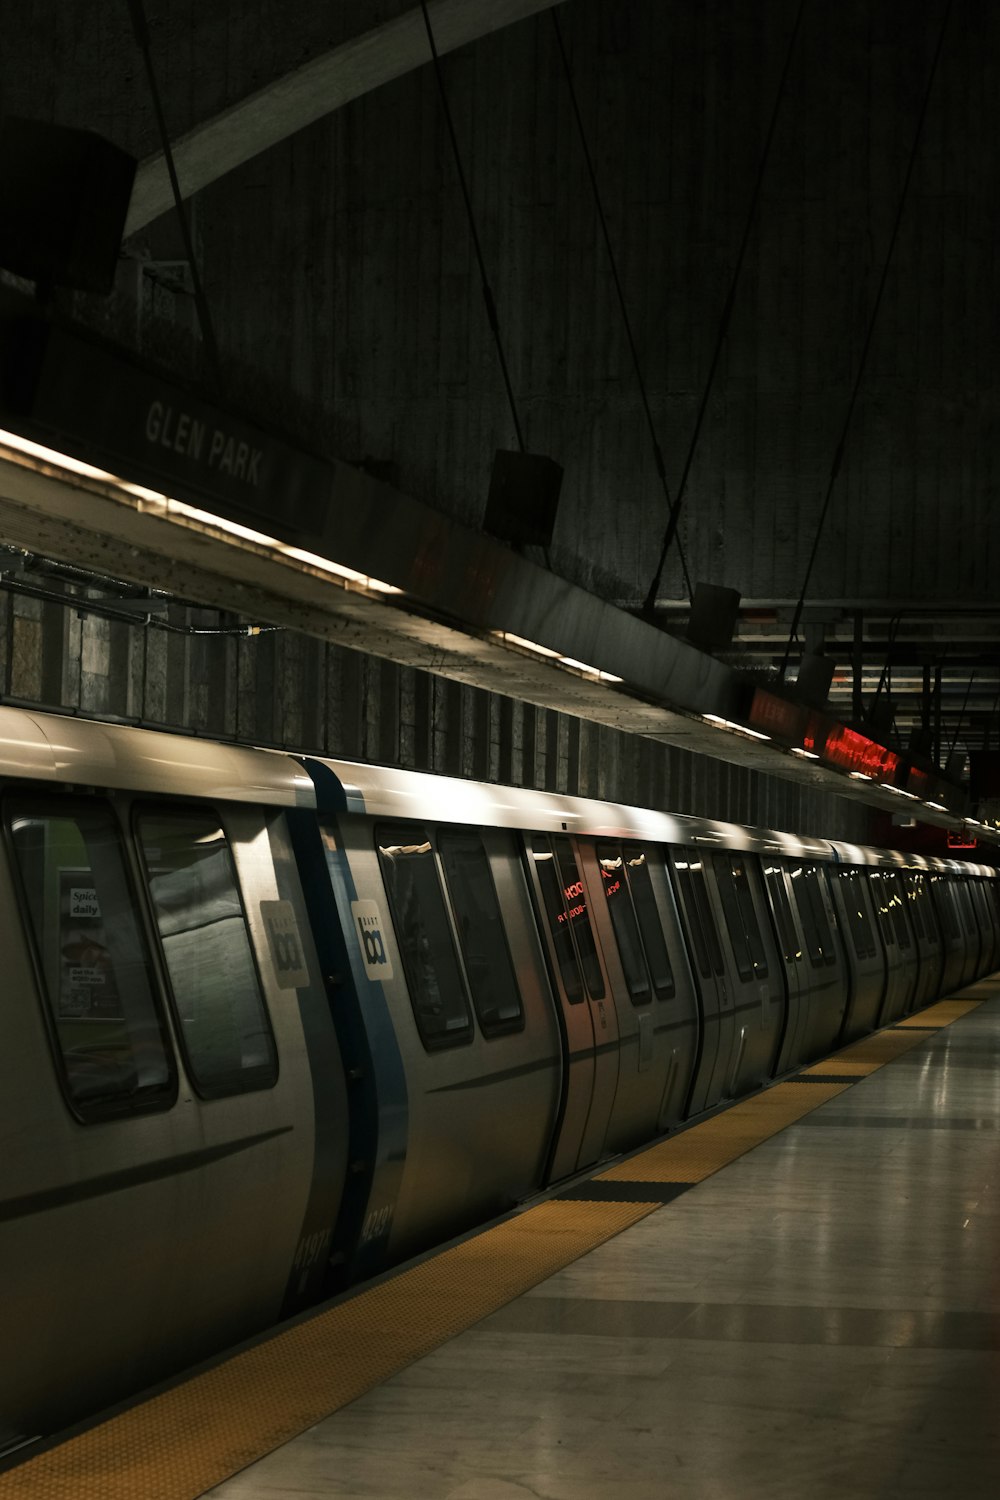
(796, 1299)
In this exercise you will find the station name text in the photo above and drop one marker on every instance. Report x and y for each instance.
(219, 450)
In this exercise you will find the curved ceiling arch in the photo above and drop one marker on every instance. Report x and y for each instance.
(299, 98)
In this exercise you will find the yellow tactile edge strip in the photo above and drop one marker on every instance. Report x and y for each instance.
(180, 1443)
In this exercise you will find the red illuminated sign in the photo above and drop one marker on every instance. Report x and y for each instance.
(855, 752)
(960, 841)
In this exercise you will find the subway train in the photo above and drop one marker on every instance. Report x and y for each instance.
(273, 1024)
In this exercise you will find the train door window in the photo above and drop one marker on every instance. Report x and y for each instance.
(97, 981)
(481, 935)
(857, 918)
(965, 902)
(579, 917)
(882, 896)
(751, 926)
(623, 921)
(922, 901)
(694, 897)
(914, 891)
(420, 918)
(641, 888)
(819, 942)
(733, 915)
(774, 876)
(557, 915)
(896, 908)
(225, 1029)
(947, 905)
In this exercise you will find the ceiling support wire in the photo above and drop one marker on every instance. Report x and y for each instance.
(626, 321)
(961, 716)
(863, 361)
(491, 310)
(673, 519)
(140, 31)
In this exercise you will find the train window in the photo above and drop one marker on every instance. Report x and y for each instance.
(965, 903)
(922, 902)
(857, 918)
(734, 917)
(694, 897)
(96, 975)
(623, 920)
(774, 876)
(946, 904)
(882, 896)
(819, 942)
(225, 1030)
(912, 885)
(897, 910)
(558, 918)
(437, 993)
(751, 926)
(644, 901)
(481, 934)
(578, 917)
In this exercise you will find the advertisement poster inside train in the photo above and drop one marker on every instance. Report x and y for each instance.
(88, 988)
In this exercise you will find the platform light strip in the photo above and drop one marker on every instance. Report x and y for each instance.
(181, 511)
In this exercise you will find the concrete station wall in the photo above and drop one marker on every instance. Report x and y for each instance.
(284, 689)
(341, 275)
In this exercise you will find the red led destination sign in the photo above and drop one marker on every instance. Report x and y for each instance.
(834, 744)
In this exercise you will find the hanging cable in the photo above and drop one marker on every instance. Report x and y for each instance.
(727, 313)
(491, 310)
(842, 440)
(140, 31)
(626, 321)
(961, 716)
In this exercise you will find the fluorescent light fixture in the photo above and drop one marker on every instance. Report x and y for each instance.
(179, 509)
(887, 787)
(518, 640)
(859, 775)
(804, 754)
(581, 666)
(510, 638)
(720, 723)
(937, 806)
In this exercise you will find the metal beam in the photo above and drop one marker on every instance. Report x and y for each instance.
(299, 98)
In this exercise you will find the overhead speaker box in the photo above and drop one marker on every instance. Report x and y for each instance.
(64, 195)
(712, 622)
(523, 499)
(814, 679)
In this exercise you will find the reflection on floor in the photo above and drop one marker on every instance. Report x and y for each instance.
(821, 1318)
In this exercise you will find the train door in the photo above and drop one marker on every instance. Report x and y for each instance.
(658, 1022)
(865, 958)
(963, 901)
(988, 924)
(759, 1008)
(952, 941)
(926, 936)
(826, 974)
(791, 949)
(896, 979)
(586, 1009)
(718, 1028)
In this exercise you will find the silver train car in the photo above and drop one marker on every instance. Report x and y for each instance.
(271, 1025)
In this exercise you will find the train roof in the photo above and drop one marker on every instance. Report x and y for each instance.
(55, 748)
(386, 792)
(903, 859)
